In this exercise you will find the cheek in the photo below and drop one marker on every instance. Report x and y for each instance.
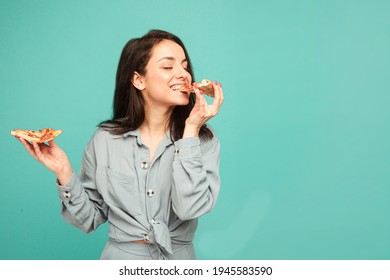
(189, 78)
(164, 77)
(155, 80)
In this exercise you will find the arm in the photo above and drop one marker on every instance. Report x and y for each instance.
(82, 205)
(196, 181)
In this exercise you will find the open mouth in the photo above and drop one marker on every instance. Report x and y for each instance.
(175, 87)
(182, 88)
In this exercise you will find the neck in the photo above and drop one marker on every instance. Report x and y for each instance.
(156, 121)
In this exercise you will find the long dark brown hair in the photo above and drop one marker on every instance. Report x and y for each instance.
(128, 104)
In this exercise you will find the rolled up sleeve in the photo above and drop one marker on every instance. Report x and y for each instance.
(196, 179)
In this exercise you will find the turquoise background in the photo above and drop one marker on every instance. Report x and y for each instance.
(305, 132)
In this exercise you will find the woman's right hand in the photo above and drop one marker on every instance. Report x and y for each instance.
(53, 157)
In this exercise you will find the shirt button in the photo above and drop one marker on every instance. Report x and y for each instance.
(144, 165)
(66, 194)
(176, 151)
(153, 221)
(146, 238)
(150, 193)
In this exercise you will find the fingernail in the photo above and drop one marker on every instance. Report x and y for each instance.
(201, 92)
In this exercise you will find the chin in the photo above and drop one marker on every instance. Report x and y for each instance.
(181, 104)
(182, 101)
(185, 102)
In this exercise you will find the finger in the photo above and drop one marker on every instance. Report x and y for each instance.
(222, 95)
(52, 144)
(200, 100)
(202, 104)
(44, 148)
(28, 147)
(218, 97)
(37, 151)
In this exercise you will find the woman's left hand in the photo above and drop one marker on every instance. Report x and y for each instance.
(202, 111)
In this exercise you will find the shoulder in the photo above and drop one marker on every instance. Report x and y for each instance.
(103, 135)
(102, 138)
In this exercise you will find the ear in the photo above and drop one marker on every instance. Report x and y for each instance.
(138, 81)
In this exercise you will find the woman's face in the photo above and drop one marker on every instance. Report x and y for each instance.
(166, 69)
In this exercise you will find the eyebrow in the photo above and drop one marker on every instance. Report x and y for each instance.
(171, 58)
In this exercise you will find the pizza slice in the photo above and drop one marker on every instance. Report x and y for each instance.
(38, 136)
(205, 86)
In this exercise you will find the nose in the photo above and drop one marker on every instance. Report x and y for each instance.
(182, 73)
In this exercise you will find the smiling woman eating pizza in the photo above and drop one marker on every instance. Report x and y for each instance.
(152, 169)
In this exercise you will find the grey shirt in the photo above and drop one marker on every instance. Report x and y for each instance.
(158, 202)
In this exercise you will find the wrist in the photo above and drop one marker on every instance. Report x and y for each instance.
(191, 131)
(64, 176)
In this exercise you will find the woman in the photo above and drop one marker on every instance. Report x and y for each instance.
(152, 169)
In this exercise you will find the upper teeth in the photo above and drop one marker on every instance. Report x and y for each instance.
(175, 87)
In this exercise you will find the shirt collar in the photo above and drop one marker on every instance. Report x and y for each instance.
(136, 133)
